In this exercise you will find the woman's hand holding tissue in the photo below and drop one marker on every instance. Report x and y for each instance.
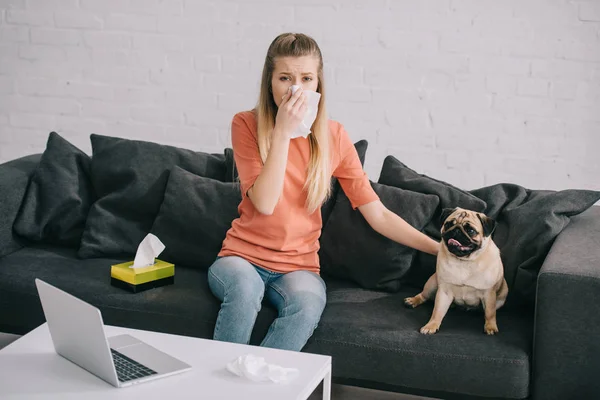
(290, 113)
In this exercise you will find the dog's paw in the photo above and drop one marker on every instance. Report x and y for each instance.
(430, 328)
(413, 302)
(490, 328)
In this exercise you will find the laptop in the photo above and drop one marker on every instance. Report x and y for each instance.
(77, 332)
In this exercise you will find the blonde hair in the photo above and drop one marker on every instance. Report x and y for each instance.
(318, 182)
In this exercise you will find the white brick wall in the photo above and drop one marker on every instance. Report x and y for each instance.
(474, 92)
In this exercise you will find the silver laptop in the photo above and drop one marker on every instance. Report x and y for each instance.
(78, 335)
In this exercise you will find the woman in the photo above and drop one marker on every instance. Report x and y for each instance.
(271, 249)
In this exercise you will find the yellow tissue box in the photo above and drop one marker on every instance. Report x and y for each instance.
(136, 280)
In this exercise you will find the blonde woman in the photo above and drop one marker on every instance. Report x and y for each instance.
(271, 249)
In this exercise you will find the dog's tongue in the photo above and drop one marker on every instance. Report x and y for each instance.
(454, 242)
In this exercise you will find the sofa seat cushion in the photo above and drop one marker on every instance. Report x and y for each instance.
(185, 308)
(372, 337)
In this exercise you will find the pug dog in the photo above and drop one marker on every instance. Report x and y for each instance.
(469, 270)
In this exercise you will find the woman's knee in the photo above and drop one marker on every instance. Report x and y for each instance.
(305, 292)
(311, 306)
(234, 276)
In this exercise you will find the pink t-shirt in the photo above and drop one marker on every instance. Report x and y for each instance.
(288, 240)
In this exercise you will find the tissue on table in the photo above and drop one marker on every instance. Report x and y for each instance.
(312, 103)
(257, 369)
(145, 271)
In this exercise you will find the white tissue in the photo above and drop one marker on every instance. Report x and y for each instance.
(312, 103)
(256, 369)
(147, 251)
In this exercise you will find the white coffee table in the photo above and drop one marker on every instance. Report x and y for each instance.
(30, 369)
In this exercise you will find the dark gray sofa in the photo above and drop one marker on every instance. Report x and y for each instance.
(550, 352)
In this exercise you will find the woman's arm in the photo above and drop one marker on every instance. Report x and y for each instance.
(395, 228)
(357, 187)
(268, 186)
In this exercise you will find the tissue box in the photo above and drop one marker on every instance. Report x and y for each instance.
(136, 280)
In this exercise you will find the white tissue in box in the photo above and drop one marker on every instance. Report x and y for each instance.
(312, 108)
(147, 251)
(256, 369)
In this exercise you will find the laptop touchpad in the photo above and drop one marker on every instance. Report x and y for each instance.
(120, 341)
(153, 358)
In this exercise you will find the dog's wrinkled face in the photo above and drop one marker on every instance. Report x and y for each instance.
(465, 232)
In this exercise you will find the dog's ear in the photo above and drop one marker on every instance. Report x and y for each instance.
(446, 213)
(489, 225)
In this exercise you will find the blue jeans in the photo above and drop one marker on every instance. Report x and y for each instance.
(298, 296)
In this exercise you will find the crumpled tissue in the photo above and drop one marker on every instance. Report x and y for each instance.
(312, 108)
(147, 251)
(258, 370)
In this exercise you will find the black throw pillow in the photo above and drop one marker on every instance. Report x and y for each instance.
(58, 197)
(351, 249)
(194, 218)
(528, 222)
(394, 173)
(129, 177)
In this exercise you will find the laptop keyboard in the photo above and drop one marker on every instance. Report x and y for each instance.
(127, 369)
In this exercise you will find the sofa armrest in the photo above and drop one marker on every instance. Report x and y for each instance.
(14, 177)
(566, 355)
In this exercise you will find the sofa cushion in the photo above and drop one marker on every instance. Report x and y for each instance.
(395, 173)
(372, 338)
(58, 197)
(528, 221)
(129, 177)
(186, 307)
(351, 249)
(374, 341)
(14, 178)
(194, 218)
